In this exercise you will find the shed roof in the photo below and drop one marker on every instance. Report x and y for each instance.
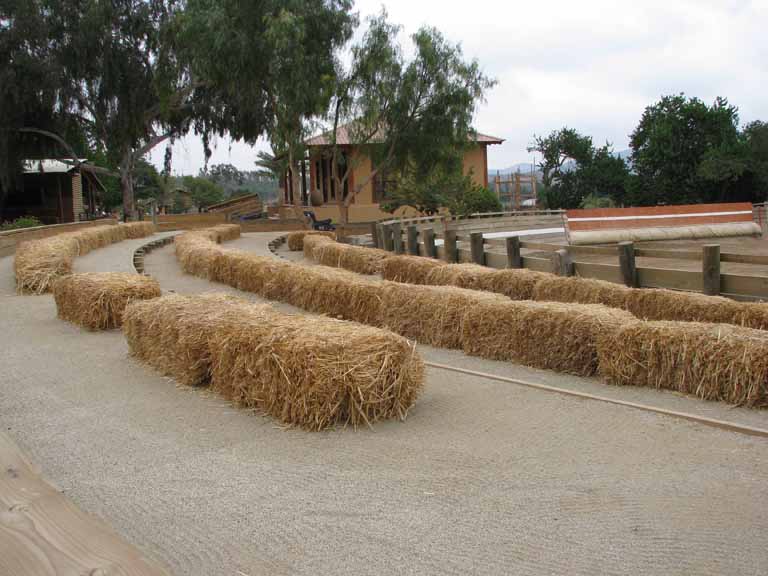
(49, 166)
(345, 138)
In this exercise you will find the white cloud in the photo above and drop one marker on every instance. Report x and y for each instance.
(591, 65)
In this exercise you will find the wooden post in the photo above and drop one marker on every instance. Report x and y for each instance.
(710, 269)
(451, 254)
(476, 243)
(627, 264)
(397, 238)
(413, 240)
(387, 237)
(375, 234)
(513, 252)
(562, 265)
(429, 242)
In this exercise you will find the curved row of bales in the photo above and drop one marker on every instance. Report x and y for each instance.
(711, 347)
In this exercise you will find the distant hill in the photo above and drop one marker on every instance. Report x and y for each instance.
(527, 167)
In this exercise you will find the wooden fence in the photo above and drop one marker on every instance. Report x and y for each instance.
(460, 241)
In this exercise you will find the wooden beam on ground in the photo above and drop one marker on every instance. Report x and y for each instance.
(412, 240)
(627, 263)
(42, 533)
(710, 269)
(429, 242)
(513, 252)
(476, 242)
(451, 254)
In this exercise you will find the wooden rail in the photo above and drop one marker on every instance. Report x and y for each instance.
(454, 245)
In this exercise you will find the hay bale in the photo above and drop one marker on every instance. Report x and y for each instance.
(430, 314)
(354, 258)
(514, 283)
(659, 304)
(296, 239)
(459, 275)
(38, 263)
(551, 335)
(409, 269)
(97, 300)
(258, 358)
(553, 288)
(711, 361)
(358, 375)
(311, 242)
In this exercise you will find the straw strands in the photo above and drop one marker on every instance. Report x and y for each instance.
(551, 288)
(96, 300)
(38, 263)
(552, 335)
(296, 239)
(409, 269)
(258, 358)
(354, 258)
(711, 361)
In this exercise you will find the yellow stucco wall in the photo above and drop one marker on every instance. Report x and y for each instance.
(474, 162)
(361, 172)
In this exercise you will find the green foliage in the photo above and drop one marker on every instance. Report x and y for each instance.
(559, 147)
(684, 151)
(595, 201)
(203, 191)
(21, 222)
(454, 190)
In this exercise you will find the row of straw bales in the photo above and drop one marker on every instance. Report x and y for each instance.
(97, 300)
(39, 263)
(259, 358)
(522, 284)
(296, 239)
(338, 255)
(576, 338)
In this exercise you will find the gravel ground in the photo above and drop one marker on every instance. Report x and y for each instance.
(483, 478)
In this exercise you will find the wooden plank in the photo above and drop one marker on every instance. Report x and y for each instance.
(737, 284)
(539, 264)
(42, 533)
(606, 272)
(671, 279)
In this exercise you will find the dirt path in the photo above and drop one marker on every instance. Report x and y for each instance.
(483, 477)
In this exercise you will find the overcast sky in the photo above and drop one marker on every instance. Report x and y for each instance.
(592, 65)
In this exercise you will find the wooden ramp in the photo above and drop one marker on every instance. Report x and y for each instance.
(42, 533)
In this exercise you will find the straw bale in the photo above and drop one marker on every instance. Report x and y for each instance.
(96, 300)
(514, 283)
(296, 239)
(354, 258)
(553, 288)
(309, 372)
(459, 275)
(552, 335)
(409, 269)
(711, 361)
(315, 373)
(430, 314)
(38, 263)
(659, 304)
(137, 229)
(311, 242)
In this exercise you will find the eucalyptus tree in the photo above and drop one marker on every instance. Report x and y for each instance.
(409, 116)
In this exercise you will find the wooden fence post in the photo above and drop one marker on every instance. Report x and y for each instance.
(710, 269)
(627, 264)
(397, 238)
(449, 245)
(375, 234)
(562, 265)
(476, 243)
(429, 242)
(387, 237)
(413, 240)
(513, 252)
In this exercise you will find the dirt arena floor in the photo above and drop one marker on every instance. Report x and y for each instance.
(484, 477)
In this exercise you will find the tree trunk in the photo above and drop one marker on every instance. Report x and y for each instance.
(126, 185)
(298, 211)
